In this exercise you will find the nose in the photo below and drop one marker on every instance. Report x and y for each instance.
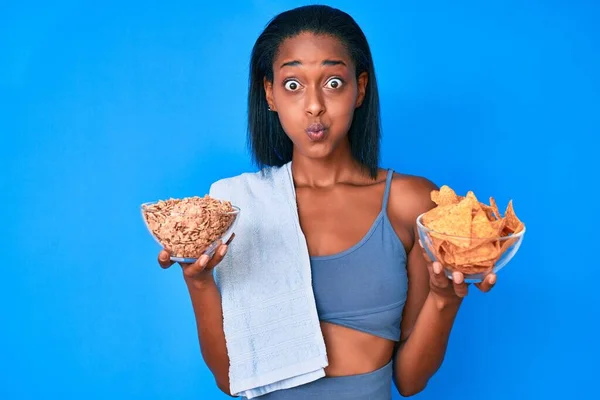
(315, 106)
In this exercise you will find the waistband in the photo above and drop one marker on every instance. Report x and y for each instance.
(375, 385)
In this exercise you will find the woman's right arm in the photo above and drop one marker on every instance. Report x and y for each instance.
(206, 302)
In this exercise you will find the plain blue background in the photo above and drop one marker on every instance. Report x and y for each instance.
(110, 104)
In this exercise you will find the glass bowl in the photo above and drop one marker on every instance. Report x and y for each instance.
(186, 239)
(474, 257)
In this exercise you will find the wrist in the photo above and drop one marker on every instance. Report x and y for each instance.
(200, 281)
(445, 302)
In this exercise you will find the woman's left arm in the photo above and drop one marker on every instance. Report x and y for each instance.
(433, 300)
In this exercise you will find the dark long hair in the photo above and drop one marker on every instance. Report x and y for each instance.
(268, 143)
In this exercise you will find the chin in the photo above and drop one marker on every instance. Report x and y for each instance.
(320, 151)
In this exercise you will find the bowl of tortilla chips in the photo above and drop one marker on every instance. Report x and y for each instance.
(469, 236)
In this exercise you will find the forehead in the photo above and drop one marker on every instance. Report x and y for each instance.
(309, 48)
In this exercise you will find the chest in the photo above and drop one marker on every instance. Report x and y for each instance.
(335, 219)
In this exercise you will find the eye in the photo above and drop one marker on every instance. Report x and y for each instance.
(334, 83)
(291, 85)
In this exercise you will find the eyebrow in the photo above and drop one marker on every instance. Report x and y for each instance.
(297, 63)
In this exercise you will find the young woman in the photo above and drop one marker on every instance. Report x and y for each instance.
(313, 100)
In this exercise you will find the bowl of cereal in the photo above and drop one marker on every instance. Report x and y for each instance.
(469, 236)
(190, 227)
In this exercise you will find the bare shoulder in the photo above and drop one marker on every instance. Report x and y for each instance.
(410, 196)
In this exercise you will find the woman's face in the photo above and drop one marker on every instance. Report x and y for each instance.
(315, 92)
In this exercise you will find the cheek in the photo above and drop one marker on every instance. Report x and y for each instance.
(345, 100)
(341, 109)
(289, 109)
(288, 123)
(291, 119)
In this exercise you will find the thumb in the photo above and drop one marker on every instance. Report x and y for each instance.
(164, 260)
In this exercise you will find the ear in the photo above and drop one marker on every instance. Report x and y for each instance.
(362, 81)
(269, 93)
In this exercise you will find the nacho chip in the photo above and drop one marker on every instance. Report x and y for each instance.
(444, 196)
(499, 225)
(489, 211)
(435, 196)
(482, 227)
(487, 251)
(495, 209)
(512, 222)
(436, 247)
(470, 195)
(436, 213)
(470, 269)
(473, 202)
(506, 244)
(447, 254)
(456, 223)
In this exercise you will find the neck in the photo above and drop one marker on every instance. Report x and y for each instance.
(325, 172)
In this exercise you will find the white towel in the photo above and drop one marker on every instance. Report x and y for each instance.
(272, 330)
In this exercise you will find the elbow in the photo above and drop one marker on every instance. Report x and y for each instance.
(407, 389)
(223, 385)
(411, 391)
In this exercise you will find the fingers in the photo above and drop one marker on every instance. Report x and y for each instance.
(440, 280)
(218, 256)
(438, 277)
(460, 287)
(164, 259)
(230, 239)
(205, 263)
(488, 283)
(436, 270)
(193, 269)
(220, 253)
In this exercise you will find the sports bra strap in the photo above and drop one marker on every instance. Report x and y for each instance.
(388, 184)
